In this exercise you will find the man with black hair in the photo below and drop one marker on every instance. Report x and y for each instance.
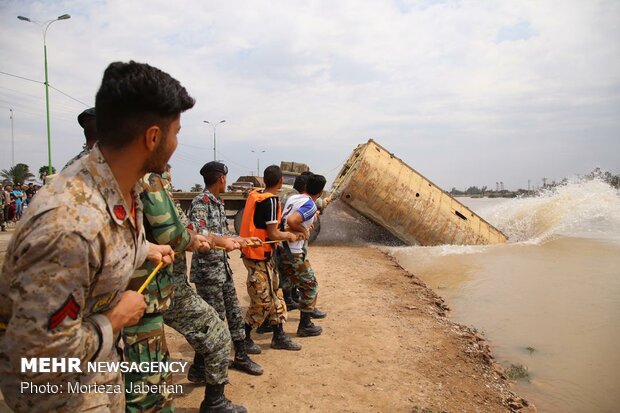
(210, 271)
(261, 218)
(298, 215)
(68, 265)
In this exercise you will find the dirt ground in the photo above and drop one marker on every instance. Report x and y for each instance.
(386, 346)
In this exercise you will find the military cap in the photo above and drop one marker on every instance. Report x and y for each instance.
(213, 166)
(87, 114)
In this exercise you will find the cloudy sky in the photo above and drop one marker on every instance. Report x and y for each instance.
(466, 92)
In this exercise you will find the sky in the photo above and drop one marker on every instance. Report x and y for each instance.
(466, 92)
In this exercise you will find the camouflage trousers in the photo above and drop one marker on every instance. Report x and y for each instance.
(222, 296)
(201, 326)
(297, 270)
(266, 300)
(146, 342)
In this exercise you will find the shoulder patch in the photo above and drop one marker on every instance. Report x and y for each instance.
(120, 212)
(69, 308)
(206, 198)
(103, 302)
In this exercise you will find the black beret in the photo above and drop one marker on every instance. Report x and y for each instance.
(87, 114)
(213, 166)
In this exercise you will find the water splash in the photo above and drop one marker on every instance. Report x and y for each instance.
(589, 209)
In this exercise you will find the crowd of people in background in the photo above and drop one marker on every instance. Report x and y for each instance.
(13, 200)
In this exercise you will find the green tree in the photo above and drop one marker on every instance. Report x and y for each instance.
(17, 174)
(43, 172)
(196, 188)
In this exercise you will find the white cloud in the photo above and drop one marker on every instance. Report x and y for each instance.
(466, 92)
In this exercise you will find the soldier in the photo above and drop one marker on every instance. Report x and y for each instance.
(163, 227)
(86, 120)
(298, 215)
(70, 259)
(261, 218)
(211, 272)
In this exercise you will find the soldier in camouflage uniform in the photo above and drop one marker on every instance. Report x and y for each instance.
(210, 271)
(82, 237)
(146, 340)
(171, 299)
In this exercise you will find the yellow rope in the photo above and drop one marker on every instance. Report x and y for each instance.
(151, 276)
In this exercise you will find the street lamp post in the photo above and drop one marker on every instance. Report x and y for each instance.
(257, 152)
(12, 141)
(44, 26)
(214, 127)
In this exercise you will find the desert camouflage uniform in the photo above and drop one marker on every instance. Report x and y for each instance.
(210, 271)
(146, 341)
(69, 260)
(266, 299)
(76, 158)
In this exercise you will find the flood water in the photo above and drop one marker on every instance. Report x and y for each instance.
(549, 299)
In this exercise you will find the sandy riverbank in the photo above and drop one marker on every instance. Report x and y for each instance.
(386, 346)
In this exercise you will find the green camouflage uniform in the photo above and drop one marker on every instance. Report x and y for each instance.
(197, 321)
(146, 341)
(68, 261)
(210, 271)
(297, 270)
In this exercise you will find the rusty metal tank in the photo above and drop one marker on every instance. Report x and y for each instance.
(386, 190)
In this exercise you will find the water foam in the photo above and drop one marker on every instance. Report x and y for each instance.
(589, 209)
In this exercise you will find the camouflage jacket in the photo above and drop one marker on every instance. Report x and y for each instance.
(69, 260)
(76, 158)
(207, 216)
(163, 226)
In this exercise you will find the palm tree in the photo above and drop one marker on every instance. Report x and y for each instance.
(43, 172)
(17, 174)
(196, 188)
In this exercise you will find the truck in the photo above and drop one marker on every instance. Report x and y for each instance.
(234, 199)
(386, 190)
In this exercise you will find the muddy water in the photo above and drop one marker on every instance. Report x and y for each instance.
(549, 300)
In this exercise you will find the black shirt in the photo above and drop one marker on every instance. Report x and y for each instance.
(266, 212)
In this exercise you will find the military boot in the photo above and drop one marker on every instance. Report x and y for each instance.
(306, 327)
(281, 341)
(216, 402)
(291, 304)
(243, 362)
(196, 373)
(316, 313)
(250, 346)
(264, 328)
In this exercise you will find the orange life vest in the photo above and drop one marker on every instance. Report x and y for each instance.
(248, 229)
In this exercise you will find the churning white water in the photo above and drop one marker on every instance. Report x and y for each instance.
(549, 299)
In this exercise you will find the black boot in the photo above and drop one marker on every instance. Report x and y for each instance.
(196, 373)
(282, 341)
(250, 346)
(316, 313)
(291, 304)
(243, 362)
(264, 328)
(306, 326)
(216, 402)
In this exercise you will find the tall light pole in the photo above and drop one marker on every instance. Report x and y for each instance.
(257, 152)
(44, 26)
(214, 127)
(12, 141)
